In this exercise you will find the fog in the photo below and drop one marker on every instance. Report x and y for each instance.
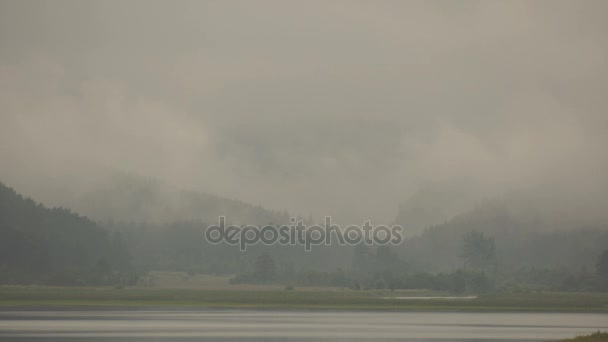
(336, 108)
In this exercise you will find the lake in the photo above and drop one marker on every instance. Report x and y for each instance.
(259, 325)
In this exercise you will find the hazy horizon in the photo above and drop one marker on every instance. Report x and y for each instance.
(330, 108)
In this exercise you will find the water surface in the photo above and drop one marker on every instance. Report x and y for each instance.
(259, 325)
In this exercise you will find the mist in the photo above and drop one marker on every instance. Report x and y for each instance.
(304, 170)
(349, 109)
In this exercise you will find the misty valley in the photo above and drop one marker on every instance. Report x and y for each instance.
(487, 259)
(305, 170)
(483, 251)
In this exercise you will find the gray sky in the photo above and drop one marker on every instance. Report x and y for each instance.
(341, 108)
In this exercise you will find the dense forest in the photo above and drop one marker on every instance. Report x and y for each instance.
(485, 249)
(40, 245)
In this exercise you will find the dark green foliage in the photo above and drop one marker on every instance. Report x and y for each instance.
(265, 268)
(601, 271)
(597, 336)
(39, 245)
(601, 265)
(478, 252)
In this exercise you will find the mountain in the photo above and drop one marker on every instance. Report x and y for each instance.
(435, 203)
(127, 197)
(522, 241)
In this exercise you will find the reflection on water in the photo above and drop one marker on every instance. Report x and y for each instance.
(238, 325)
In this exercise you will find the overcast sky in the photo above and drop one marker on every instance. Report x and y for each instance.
(341, 108)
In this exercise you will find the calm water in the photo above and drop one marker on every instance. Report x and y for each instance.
(239, 325)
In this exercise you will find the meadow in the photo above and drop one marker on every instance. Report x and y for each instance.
(180, 290)
(45, 296)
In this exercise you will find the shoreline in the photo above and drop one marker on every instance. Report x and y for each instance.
(138, 298)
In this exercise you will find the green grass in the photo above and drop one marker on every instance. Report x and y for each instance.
(41, 296)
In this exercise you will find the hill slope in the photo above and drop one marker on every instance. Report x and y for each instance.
(53, 245)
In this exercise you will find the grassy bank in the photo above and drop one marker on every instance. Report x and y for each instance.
(595, 337)
(28, 296)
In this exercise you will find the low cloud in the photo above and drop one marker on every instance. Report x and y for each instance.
(342, 108)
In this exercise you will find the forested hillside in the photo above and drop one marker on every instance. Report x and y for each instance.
(40, 245)
(520, 242)
(483, 249)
